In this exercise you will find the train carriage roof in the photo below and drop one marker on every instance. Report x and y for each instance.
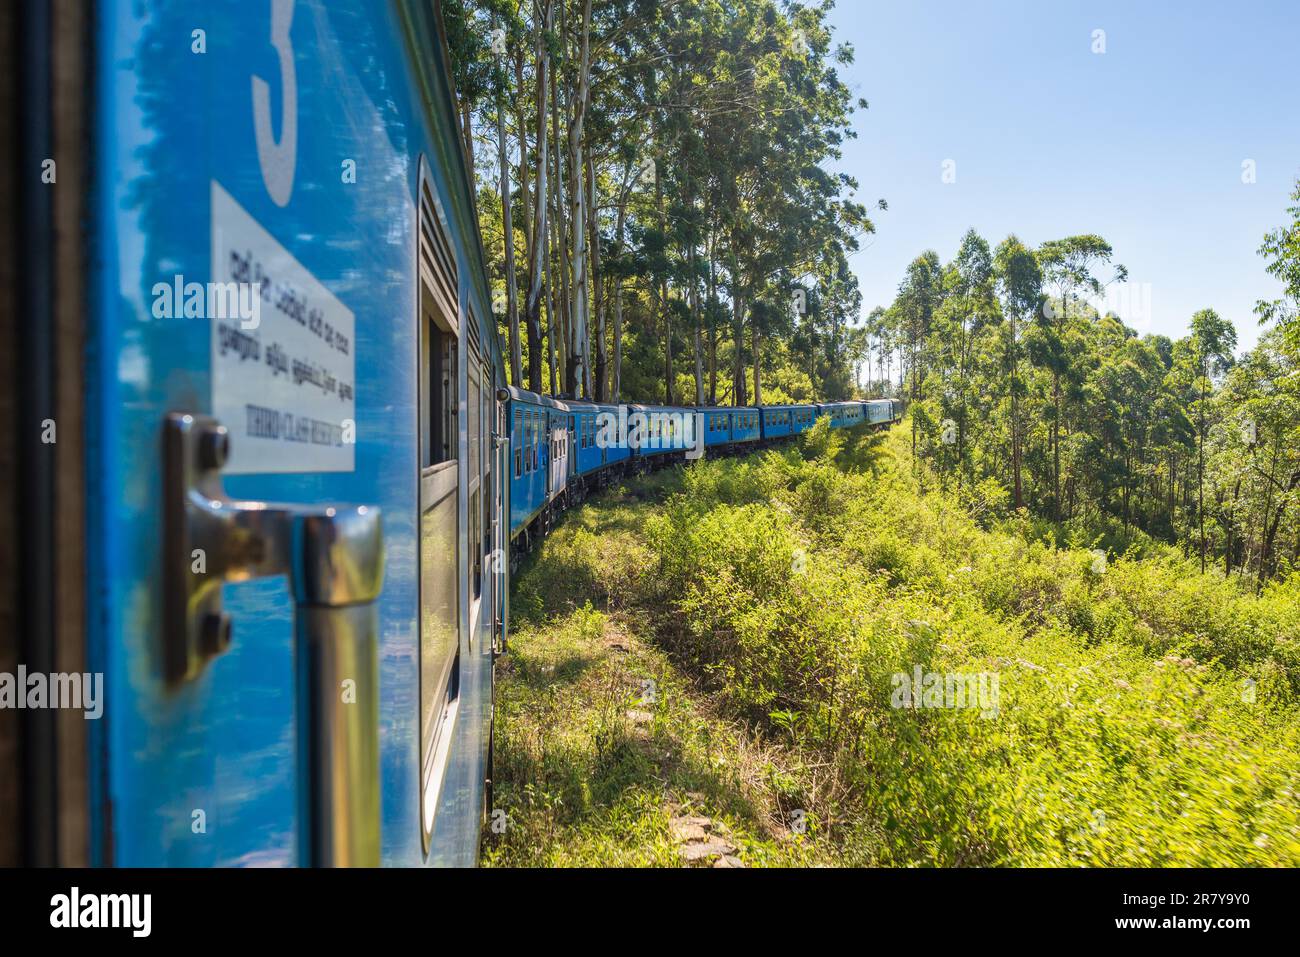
(517, 394)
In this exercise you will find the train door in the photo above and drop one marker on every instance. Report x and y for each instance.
(558, 441)
(573, 420)
(505, 469)
(543, 442)
(237, 640)
(479, 479)
(487, 534)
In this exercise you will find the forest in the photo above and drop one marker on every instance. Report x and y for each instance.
(662, 220)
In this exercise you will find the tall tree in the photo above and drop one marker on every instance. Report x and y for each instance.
(1020, 282)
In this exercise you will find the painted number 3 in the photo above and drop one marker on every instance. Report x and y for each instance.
(277, 157)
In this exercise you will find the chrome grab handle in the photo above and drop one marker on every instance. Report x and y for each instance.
(334, 558)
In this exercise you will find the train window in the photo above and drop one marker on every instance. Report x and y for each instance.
(441, 390)
(519, 438)
(438, 377)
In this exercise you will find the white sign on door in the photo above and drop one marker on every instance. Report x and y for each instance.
(283, 373)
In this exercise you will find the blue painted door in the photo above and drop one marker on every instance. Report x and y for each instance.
(272, 142)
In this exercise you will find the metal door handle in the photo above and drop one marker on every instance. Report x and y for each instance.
(334, 559)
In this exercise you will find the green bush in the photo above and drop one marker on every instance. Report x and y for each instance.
(1123, 734)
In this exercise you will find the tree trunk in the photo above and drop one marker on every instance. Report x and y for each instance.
(577, 372)
(1200, 471)
(593, 246)
(1015, 418)
(1056, 444)
(616, 387)
(738, 338)
(551, 307)
(564, 310)
(1266, 549)
(713, 328)
(533, 304)
(699, 331)
(525, 205)
(508, 237)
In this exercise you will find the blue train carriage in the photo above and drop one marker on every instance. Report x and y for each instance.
(537, 425)
(599, 445)
(778, 421)
(612, 438)
(745, 425)
(878, 411)
(588, 456)
(293, 311)
(717, 426)
(659, 433)
(802, 418)
(842, 414)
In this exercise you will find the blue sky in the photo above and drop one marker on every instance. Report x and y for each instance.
(1142, 144)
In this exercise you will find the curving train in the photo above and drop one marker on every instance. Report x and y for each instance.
(561, 449)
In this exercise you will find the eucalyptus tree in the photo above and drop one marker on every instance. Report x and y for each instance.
(1019, 281)
(919, 295)
(1069, 269)
(1213, 340)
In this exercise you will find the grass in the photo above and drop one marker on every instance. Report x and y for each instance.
(1145, 713)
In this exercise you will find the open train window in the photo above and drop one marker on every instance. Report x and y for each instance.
(442, 386)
